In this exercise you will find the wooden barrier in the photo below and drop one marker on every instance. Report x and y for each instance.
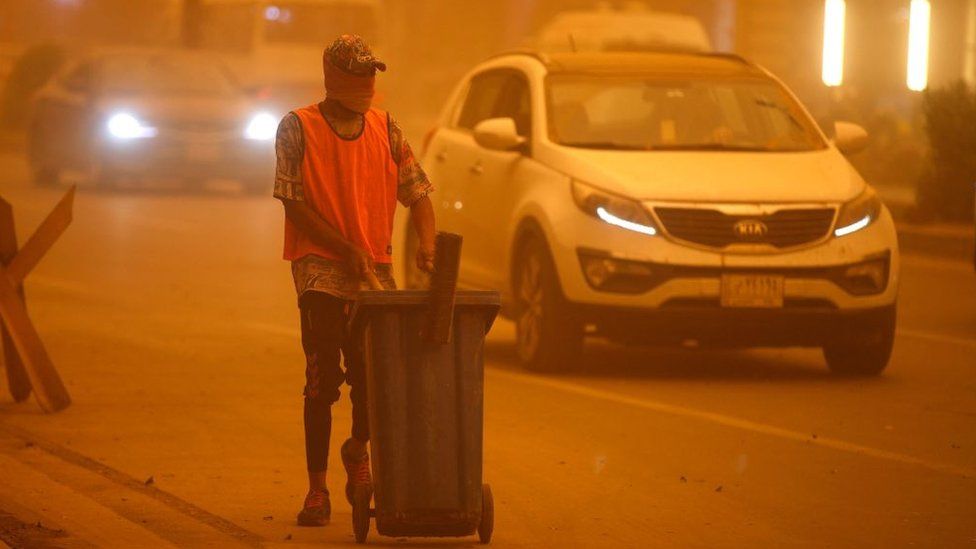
(27, 362)
(17, 380)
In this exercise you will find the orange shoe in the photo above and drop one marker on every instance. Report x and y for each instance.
(357, 468)
(317, 509)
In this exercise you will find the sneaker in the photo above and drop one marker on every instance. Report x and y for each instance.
(357, 469)
(317, 509)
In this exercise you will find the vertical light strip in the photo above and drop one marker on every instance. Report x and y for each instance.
(918, 45)
(969, 60)
(833, 42)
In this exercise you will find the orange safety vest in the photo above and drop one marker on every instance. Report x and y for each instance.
(351, 183)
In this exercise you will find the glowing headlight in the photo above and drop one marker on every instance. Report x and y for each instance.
(615, 210)
(123, 125)
(262, 127)
(858, 213)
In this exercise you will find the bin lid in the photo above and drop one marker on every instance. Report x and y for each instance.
(371, 300)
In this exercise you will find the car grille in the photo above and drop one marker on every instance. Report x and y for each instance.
(782, 229)
(205, 127)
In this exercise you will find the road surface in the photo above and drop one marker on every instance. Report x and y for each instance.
(174, 325)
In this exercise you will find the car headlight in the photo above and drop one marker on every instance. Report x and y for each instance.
(858, 213)
(615, 210)
(262, 127)
(123, 125)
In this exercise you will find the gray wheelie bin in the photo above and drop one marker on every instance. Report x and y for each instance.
(425, 417)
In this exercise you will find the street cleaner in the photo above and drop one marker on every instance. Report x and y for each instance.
(341, 167)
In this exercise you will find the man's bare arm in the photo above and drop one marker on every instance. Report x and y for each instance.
(325, 235)
(422, 214)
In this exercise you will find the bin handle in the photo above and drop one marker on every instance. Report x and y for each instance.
(374, 283)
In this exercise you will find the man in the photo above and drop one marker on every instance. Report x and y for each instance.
(342, 166)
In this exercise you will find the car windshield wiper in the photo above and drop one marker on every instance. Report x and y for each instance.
(786, 112)
(610, 145)
(708, 147)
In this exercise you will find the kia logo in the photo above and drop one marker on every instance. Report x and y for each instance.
(748, 228)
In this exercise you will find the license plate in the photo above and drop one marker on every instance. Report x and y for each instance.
(746, 290)
(203, 152)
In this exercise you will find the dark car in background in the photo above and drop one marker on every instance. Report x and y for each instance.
(138, 116)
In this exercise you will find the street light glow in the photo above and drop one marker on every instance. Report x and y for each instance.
(918, 45)
(833, 42)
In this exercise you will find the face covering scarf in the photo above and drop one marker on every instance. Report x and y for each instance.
(352, 91)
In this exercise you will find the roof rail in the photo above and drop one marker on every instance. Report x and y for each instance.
(546, 60)
(726, 55)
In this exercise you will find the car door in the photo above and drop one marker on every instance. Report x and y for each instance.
(452, 154)
(491, 187)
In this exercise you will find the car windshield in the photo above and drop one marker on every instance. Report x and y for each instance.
(244, 27)
(164, 74)
(301, 23)
(643, 113)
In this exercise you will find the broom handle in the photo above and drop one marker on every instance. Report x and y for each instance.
(374, 283)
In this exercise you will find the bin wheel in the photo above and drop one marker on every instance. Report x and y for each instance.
(487, 524)
(360, 512)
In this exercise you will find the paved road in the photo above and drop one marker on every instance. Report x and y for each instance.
(174, 326)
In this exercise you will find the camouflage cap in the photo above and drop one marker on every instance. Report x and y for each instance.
(351, 53)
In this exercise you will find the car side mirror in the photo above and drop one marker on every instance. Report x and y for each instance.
(849, 138)
(498, 134)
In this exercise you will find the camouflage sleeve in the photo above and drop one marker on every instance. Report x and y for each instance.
(289, 150)
(412, 180)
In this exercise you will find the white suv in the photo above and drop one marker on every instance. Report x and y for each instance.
(661, 198)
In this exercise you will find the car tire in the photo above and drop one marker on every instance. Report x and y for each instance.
(549, 336)
(865, 351)
(42, 173)
(104, 180)
(43, 176)
(98, 176)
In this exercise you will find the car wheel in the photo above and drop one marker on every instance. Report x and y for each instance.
(413, 277)
(42, 173)
(864, 352)
(44, 176)
(549, 337)
(104, 180)
(99, 176)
